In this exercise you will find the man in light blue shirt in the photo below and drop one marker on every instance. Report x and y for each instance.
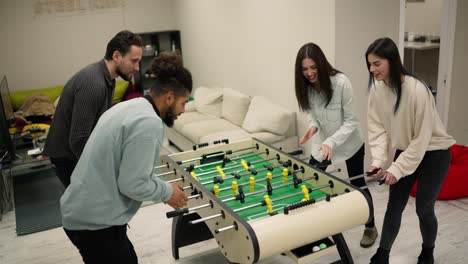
(114, 175)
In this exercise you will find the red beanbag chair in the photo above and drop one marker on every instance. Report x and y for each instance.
(456, 183)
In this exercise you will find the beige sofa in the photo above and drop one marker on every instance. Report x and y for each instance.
(224, 113)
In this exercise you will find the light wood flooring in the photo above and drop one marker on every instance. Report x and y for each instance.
(150, 233)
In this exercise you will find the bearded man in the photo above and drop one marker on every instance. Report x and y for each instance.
(85, 97)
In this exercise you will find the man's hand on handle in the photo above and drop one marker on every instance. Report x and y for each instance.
(178, 198)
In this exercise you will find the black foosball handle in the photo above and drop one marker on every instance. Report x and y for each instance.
(298, 205)
(370, 173)
(177, 212)
(296, 152)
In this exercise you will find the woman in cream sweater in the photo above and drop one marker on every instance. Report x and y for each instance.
(402, 115)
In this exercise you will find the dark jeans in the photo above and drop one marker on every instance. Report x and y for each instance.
(108, 245)
(430, 174)
(64, 168)
(355, 166)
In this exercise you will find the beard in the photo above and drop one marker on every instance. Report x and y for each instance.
(170, 117)
(122, 75)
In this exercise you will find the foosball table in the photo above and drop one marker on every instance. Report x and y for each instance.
(258, 201)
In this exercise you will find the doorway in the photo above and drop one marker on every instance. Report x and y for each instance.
(427, 32)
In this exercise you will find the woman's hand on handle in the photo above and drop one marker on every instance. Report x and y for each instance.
(375, 172)
(389, 178)
(326, 152)
(384, 177)
(307, 135)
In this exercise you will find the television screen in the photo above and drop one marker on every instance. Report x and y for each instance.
(6, 118)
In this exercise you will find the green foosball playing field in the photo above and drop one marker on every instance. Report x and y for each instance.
(247, 197)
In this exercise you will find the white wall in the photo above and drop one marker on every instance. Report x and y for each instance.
(354, 33)
(424, 17)
(458, 111)
(251, 46)
(46, 50)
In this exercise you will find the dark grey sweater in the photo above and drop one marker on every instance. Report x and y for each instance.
(85, 97)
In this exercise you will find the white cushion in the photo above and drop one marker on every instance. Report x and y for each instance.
(208, 100)
(267, 137)
(264, 116)
(195, 130)
(235, 106)
(190, 117)
(232, 135)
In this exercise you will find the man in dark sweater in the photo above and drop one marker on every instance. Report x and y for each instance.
(85, 97)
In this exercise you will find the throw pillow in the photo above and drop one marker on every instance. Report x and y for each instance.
(264, 116)
(235, 106)
(208, 100)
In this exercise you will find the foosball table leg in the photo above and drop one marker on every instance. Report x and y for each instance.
(342, 249)
(184, 234)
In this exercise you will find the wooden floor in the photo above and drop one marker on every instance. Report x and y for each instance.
(150, 233)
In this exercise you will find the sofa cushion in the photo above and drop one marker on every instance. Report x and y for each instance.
(235, 106)
(264, 116)
(195, 130)
(119, 91)
(17, 97)
(267, 137)
(208, 100)
(232, 135)
(190, 117)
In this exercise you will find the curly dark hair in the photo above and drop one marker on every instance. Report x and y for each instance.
(170, 74)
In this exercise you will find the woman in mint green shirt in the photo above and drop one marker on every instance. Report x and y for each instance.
(326, 95)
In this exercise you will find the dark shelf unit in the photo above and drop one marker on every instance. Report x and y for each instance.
(153, 44)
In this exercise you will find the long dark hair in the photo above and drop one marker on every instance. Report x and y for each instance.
(385, 48)
(324, 70)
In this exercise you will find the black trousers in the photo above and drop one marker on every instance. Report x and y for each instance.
(355, 166)
(108, 245)
(64, 168)
(430, 174)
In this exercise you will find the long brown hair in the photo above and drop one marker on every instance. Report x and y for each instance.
(324, 70)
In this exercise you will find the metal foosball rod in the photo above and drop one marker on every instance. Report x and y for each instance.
(191, 167)
(273, 176)
(249, 172)
(162, 166)
(165, 173)
(226, 159)
(248, 207)
(236, 166)
(240, 196)
(367, 174)
(286, 211)
(228, 152)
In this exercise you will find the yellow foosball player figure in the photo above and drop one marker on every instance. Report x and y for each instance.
(282, 190)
